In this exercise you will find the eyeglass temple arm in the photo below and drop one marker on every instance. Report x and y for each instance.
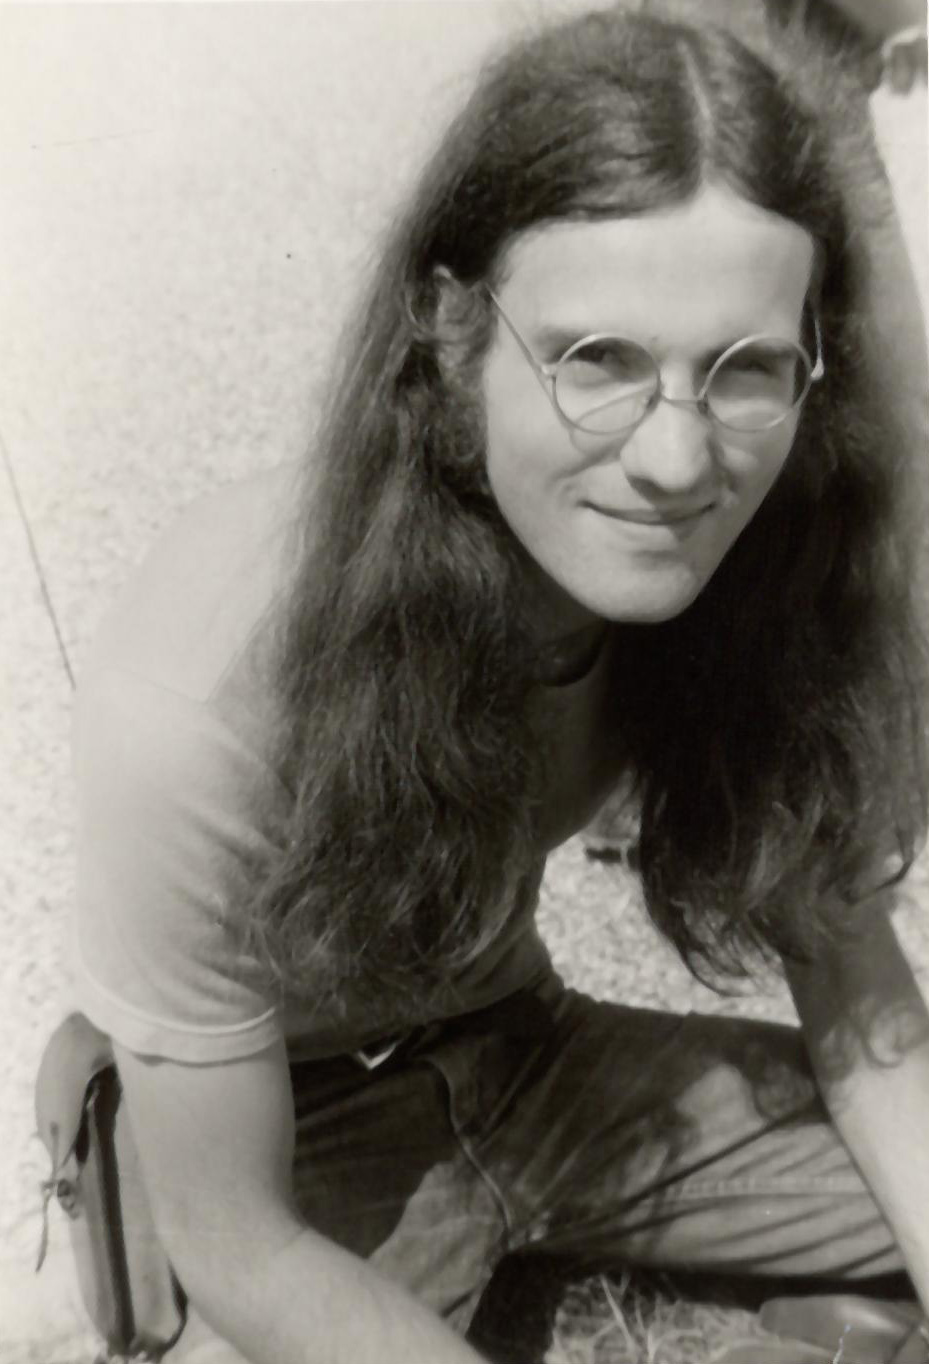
(539, 368)
(544, 373)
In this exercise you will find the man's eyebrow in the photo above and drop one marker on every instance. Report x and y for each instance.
(556, 338)
(559, 337)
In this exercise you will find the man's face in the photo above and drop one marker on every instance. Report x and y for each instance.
(630, 527)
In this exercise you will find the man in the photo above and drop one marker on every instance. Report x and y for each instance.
(606, 491)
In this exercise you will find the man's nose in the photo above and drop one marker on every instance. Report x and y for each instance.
(672, 448)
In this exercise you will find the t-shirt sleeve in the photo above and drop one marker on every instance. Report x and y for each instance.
(167, 798)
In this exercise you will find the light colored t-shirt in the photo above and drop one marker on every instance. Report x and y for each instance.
(172, 759)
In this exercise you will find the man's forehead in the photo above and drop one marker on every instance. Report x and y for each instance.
(715, 249)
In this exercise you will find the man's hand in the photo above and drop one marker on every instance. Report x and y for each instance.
(904, 60)
(898, 30)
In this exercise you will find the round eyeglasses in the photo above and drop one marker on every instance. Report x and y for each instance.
(605, 384)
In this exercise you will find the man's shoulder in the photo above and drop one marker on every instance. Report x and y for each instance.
(205, 590)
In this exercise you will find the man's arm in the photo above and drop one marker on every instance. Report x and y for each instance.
(216, 1146)
(867, 1029)
(897, 28)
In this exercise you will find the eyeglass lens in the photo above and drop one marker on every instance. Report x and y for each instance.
(606, 383)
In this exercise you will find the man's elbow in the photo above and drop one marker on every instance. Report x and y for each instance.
(220, 1247)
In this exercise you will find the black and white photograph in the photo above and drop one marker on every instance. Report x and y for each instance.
(465, 675)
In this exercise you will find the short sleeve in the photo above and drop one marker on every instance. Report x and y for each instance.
(167, 797)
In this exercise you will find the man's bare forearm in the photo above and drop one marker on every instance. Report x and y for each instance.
(311, 1302)
(216, 1146)
(867, 1029)
(884, 1121)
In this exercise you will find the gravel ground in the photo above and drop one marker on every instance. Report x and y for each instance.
(189, 197)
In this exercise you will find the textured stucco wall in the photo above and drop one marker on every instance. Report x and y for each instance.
(189, 193)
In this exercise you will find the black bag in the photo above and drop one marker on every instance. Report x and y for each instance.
(126, 1282)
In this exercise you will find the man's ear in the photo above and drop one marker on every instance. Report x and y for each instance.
(456, 311)
(452, 299)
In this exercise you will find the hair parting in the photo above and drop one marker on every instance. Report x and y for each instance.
(775, 730)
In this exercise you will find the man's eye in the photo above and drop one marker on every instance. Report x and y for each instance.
(593, 353)
(609, 359)
(755, 364)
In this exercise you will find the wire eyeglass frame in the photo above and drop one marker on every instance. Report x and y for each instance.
(547, 372)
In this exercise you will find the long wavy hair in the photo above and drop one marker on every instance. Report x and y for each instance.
(773, 729)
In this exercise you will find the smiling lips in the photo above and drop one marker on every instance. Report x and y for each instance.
(651, 517)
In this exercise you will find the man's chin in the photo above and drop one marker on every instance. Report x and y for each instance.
(652, 606)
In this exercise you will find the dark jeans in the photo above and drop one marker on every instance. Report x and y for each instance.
(555, 1125)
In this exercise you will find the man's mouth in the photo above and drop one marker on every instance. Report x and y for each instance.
(651, 516)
